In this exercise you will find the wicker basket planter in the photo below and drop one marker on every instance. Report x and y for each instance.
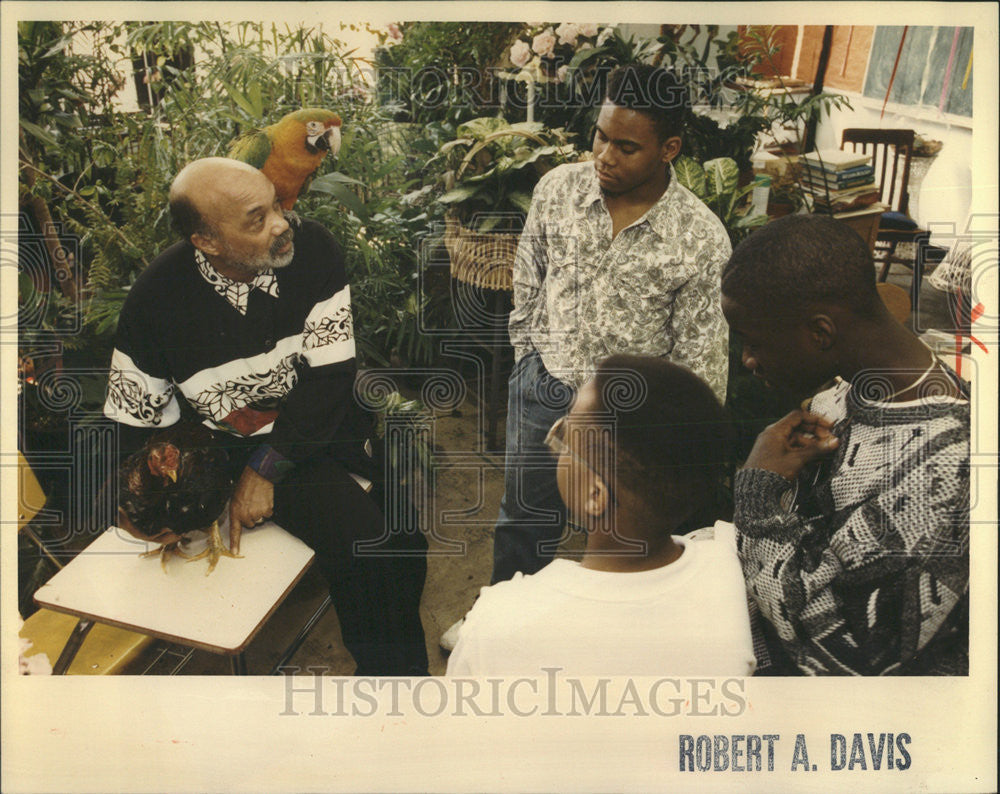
(482, 259)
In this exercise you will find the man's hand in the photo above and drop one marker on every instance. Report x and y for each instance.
(251, 503)
(790, 443)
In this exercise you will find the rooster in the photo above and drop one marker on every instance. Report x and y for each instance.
(176, 484)
(290, 151)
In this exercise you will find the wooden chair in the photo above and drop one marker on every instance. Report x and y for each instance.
(891, 151)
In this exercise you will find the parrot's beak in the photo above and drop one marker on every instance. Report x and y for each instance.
(328, 140)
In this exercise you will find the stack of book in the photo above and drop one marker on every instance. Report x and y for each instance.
(839, 180)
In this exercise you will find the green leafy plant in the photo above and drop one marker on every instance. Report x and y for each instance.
(414, 414)
(495, 167)
(706, 139)
(365, 205)
(613, 49)
(441, 72)
(716, 182)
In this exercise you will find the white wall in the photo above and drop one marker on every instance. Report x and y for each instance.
(945, 194)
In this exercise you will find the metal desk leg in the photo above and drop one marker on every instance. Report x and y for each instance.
(286, 657)
(239, 663)
(80, 632)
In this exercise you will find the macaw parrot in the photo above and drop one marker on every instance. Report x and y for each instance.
(290, 151)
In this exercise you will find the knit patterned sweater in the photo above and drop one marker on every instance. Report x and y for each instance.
(862, 566)
(269, 363)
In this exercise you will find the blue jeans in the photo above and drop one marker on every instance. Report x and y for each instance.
(532, 516)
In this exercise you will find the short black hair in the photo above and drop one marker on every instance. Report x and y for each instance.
(672, 436)
(185, 217)
(653, 91)
(802, 260)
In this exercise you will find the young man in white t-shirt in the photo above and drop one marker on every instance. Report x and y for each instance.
(640, 453)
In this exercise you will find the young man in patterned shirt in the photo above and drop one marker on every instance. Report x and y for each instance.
(853, 513)
(616, 257)
(245, 325)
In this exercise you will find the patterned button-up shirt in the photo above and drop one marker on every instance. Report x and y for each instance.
(580, 295)
(236, 292)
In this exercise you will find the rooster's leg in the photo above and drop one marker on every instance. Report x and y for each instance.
(215, 549)
(165, 551)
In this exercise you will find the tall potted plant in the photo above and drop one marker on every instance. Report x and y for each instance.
(491, 170)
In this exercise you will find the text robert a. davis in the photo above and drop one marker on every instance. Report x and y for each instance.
(867, 751)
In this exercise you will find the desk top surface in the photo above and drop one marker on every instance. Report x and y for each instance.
(109, 582)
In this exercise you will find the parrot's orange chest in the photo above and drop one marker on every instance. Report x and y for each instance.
(289, 164)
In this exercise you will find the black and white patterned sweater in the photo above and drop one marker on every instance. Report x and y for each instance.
(272, 365)
(862, 566)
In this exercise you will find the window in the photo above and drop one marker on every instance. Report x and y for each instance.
(934, 71)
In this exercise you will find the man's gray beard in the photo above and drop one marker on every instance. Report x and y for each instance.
(272, 261)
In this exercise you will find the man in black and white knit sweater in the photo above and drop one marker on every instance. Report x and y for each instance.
(245, 325)
(853, 513)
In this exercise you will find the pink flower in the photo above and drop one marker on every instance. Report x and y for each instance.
(544, 42)
(606, 34)
(567, 33)
(587, 29)
(520, 53)
(394, 32)
(561, 73)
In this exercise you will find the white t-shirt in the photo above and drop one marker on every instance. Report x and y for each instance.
(686, 618)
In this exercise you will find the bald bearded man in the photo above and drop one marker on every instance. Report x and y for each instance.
(245, 325)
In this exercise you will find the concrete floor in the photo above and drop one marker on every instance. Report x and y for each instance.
(468, 485)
